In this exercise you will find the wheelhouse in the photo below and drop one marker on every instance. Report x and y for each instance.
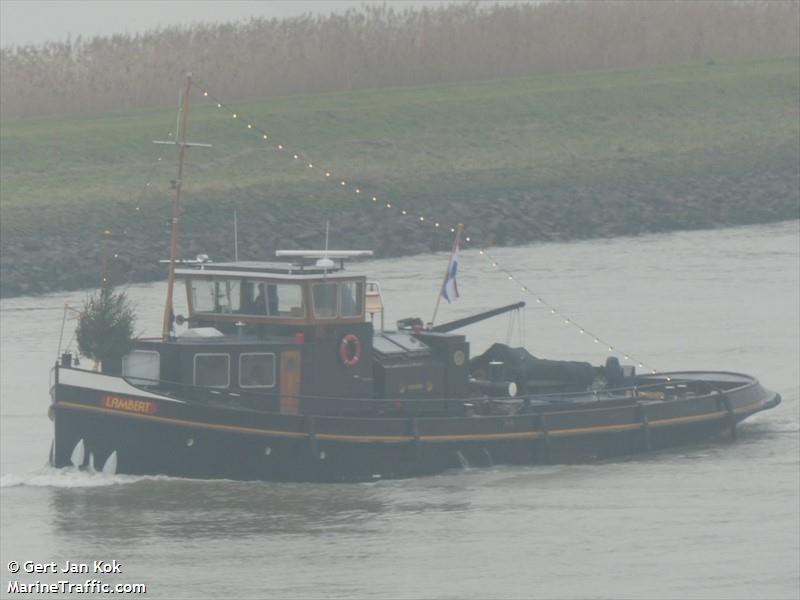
(242, 294)
(262, 334)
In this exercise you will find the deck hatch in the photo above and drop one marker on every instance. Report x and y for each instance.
(407, 342)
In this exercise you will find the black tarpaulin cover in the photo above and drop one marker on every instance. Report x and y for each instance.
(521, 367)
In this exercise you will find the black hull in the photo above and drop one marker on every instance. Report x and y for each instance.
(153, 435)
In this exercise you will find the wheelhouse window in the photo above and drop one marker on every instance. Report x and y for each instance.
(290, 300)
(253, 298)
(241, 296)
(325, 300)
(212, 370)
(218, 296)
(204, 295)
(256, 370)
(351, 294)
(338, 299)
(142, 367)
(284, 300)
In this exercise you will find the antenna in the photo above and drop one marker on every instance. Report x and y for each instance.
(325, 262)
(178, 117)
(235, 238)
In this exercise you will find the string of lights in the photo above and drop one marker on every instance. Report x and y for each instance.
(437, 224)
(297, 155)
(150, 176)
(137, 203)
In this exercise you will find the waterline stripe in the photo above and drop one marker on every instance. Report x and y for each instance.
(424, 438)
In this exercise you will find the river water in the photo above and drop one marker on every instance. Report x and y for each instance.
(716, 520)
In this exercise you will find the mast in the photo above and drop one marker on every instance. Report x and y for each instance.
(182, 144)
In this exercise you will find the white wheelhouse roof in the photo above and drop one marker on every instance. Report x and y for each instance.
(294, 274)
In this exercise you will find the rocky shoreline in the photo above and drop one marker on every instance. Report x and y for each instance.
(66, 250)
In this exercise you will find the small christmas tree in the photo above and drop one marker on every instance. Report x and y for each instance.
(105, 328)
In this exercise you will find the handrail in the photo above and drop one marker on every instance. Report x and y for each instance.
(557, 401)
(564, 395)
(608, 393)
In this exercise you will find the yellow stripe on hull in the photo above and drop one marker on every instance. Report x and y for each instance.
(423, 438)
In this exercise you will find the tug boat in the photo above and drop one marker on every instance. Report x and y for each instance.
(285, 371)
(282, 374)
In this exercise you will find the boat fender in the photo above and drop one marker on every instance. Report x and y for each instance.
(350, 350)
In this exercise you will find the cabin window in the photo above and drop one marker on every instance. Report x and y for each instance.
(350, 298)
(256, 369)
(325, 299)
(212, 370)
(142, 367)
(219, 296)
(272, 300)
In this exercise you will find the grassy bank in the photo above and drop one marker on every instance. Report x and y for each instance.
(516, 160)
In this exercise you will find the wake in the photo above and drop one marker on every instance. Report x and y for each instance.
(72, 477)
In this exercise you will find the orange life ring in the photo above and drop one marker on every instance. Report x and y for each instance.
(350, 341)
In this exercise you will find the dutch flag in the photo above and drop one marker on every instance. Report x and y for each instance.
(450, 287)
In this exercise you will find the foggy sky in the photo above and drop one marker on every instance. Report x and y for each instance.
(37, 21)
